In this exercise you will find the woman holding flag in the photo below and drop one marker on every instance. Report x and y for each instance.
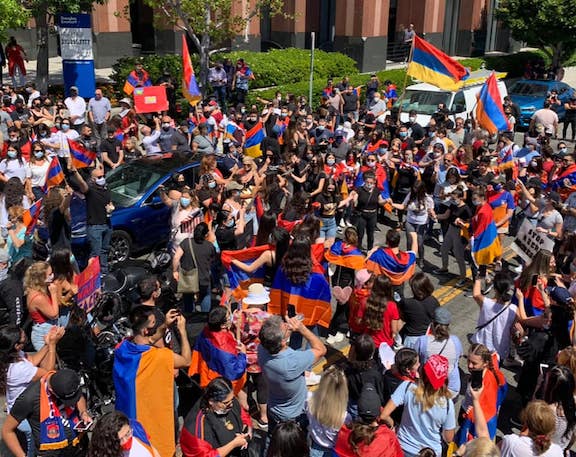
(38, 167)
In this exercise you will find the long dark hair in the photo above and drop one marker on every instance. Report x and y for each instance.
(281, 241)
(297, 262)
(418, 194)
(362, 433)
(61, 265)
(9, 339)
(377, 302)
(288, 440)
(559, 389)
(105, 441)
(266, 225)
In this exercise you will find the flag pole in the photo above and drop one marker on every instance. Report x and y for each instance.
(405, 80)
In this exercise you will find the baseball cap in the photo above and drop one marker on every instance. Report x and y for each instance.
(436, 370)
(233, 185)
(369, 403)
(65, 384)
(560, 295)
(74, 88)
(442, 316)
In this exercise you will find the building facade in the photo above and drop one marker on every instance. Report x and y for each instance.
(370, 31)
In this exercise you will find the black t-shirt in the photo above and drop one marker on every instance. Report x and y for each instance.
(97, 197)
(417, 132)
(111, 147)
(367, 201)
(23, 115)
(328, 205)
(417, 314)
(463, 212)
(59, 230)
(226, 238)
(350, 102)
(205, 254)
(27, 406)
(373, 375)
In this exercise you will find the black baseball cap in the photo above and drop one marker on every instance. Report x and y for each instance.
(369, 403)
(65, 385)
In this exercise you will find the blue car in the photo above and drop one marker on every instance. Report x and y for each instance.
(141, 222)
(530, 95)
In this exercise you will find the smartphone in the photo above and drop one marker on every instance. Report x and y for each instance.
(534, 280)
(476, 379)
(544, 367)
(83, 426)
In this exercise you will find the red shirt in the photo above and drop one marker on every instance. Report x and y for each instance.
(384, 335)
(385, 444)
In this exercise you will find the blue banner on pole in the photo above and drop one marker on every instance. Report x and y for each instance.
(76, 51)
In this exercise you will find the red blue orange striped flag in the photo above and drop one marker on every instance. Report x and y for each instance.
(238, 278)
(345, 255)
(254, 138)
(190, 88)
(486, 245)
(489, 110)
(81, 157)
(55, 175)
(398, 267)
(430, 65)
(31, 215)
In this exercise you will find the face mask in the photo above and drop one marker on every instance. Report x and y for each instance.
(100, 181)
(563, 150)
(50, 278)
(12, 154)
(330, 162)
(321, 127)
(497, 187)
(57, 125)
(253, 119)
(369, 187)
(43, 134)
(165, 127)
(13, 140)
(533, 163)
(38, 154)
(412, 119)
(65, 127)
(403, 134)
(184, 201)
(212, 184)
(376, 99)
(124, 112)
(309, 156)
(431, 134)
(476, 202)
(243, 110)
(229, 223)
(371, 163)
(29, 90)
(127, 445)
(283, 115)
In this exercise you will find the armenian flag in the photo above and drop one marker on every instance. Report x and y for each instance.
(489, 109)
(430, 65)
(238, 278)
(31, 215)
(254, 137)
(214, 355)
(311, 299)
(345, 255)
(138, 371)
(485, 242)
(190, 88)
(565, 184)
(133, 81)
(55, 174)
(81, 157)
(398, 267)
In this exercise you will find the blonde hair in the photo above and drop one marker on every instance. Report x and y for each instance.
(16, 212)
(567, 357)
(427, 396)
(540, 421)
(35, 277)
(481, 447)
(329, 402)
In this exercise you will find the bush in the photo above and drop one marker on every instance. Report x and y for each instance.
(514, 64)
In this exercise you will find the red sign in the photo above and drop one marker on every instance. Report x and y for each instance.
(150, 99)
(89, 285)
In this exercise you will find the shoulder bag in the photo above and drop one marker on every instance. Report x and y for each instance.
(188, 281)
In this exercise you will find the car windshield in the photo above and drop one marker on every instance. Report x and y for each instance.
(423, 101)
(129, 182)
(528, 88)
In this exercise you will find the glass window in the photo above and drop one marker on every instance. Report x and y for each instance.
(129, 182)
(424, 101)
(459, 103)
(528, 88)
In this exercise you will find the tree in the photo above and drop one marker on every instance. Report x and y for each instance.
(547, 24)
(44, 13)
(209, 23)
(12, 15)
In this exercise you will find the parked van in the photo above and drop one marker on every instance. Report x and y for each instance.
(424, 97)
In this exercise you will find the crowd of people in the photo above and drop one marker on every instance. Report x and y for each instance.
(275, 251)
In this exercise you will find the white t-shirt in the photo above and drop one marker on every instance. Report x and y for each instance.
(521, 446)
(38, 173)
(496, 335)
(76, 107)
(19, 375)
(416, 212)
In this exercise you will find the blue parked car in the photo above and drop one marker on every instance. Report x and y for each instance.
(141, 222)
(530, 94)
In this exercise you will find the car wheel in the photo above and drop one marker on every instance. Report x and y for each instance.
(120, 246)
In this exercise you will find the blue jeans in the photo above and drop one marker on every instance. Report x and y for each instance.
(25, 428)
(99, 239)
(410, 341)
(220, 94)
(318, 451)
(39, 331)
(328, 229)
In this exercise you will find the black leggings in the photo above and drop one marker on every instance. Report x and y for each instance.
(257, 382)
(569, 122)
(366, 222)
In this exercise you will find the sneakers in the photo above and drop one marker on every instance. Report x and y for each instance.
(440, 271)
(487, 288)
(462, 283)
(333, 339)
(262, 425)
(343, 224)
(312, 379)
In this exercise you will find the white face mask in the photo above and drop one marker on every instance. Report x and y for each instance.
(412, 119)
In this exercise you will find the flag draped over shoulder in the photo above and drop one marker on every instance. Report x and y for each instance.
(345, 255)
(138, 372)
(190, 88)
(398, 267)
(239, 279)
(31, 215)
(81, 157)
(254, 138)
(215, 354)
(311, 299)
(565, 184)
(485, 242)
(489, 109)
(429, 64)
(55, 174)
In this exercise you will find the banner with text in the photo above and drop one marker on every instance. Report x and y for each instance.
(89, 285)
(529, 241)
